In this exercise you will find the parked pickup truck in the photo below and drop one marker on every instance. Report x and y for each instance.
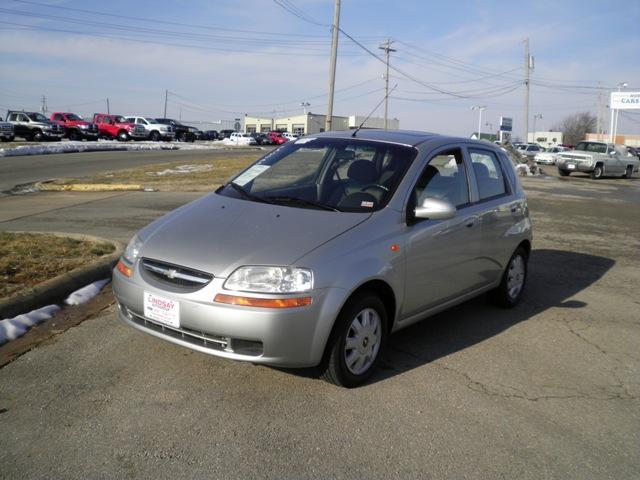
(597, 159)
(155, 130)
(6, 131)
(116, 126)
(184, 133)
(75, 127)
(34, 126)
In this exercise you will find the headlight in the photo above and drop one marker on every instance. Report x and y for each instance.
(83, 127)
(261, 279)
(163, 129)
(133, 250)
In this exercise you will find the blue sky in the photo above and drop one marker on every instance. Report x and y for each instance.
(221, 59)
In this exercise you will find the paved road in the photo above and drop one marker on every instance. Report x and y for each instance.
(20, 170)
(548, 390)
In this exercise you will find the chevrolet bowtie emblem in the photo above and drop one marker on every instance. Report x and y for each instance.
(171, 273)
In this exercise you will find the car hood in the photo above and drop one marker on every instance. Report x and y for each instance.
(218, 234)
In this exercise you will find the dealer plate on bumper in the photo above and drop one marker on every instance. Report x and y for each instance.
(571, 166)
(162, 309)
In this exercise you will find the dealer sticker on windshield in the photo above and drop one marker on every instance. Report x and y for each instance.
(162, 309)
(250, 174)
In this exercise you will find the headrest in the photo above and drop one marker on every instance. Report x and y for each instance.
(362, 171)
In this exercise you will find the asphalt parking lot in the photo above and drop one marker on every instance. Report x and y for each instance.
(550, 389)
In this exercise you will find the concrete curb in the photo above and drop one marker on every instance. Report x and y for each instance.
(86, 187)
(57, 288)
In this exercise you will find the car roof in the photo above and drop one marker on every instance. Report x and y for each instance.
(412, 138)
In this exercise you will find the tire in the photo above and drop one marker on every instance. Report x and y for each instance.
(597, 172)
(37, 136)
(629, 172)
(514, 278)
(357, 341)
(74, 135)
(123, 136)
(564, 173)
(154, 137)
(181, 137)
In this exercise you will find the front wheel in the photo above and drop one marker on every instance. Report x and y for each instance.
(123, 136)
(509, 292)
(37, 136)
(597, 172)
(564, 173)
(357, 342)
(154, 137)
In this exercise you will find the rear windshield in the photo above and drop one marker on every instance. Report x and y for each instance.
(325, 173)
(592, 147)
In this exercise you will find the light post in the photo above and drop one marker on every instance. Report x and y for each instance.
(304, 106)
(480, 110)
(614, 121)
(535, 117)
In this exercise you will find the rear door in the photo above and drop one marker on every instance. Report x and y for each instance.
(497, 210)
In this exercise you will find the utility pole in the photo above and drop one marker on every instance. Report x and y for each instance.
(166, 95)
(332, 67)
(528, 66)
(537, 116)
(387, 49)
(108, 111)
(43, 106)
(599, 118)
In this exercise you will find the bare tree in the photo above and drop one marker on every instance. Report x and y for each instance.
(575, 127)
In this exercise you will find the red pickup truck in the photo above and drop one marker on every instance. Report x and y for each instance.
(75, 127)
(115, 126)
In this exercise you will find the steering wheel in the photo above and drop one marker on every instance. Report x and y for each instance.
(374, 185)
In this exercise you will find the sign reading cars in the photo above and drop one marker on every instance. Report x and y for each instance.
(625, 100)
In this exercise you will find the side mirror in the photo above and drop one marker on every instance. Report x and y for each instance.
(435, 209)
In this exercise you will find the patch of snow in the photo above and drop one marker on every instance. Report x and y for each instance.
(181, 169)
(523, 169)
(12, 328)
(85, 294)
(102, 145)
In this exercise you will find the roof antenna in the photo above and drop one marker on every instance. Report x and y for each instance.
(374, 109)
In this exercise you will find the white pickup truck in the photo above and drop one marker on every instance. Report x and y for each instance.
(156, 131)
(598, 159)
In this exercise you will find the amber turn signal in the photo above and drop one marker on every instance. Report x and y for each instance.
(263, 302)
(123, 269)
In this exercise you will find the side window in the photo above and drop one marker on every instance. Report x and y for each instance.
(489, 175)
(13, 117)
(57, 117)
(444, 178)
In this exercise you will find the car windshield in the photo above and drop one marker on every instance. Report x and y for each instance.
(349, 175)
(121, 119)
(37, 117)
(150, 120)
(73, 117)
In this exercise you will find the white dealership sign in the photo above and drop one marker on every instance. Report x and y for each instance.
(625, 100)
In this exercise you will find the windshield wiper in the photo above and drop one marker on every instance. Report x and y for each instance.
(247, 195)
(301, 201)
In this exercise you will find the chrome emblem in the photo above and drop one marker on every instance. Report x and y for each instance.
(171, 273)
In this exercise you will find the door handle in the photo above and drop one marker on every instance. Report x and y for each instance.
(470, 222)
(515, 209)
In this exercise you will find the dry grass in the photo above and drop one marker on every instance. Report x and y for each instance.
(220, 170)
(27, 259)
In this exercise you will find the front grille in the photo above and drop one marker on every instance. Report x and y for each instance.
(92, 128)
(7, 128)
(195, 337)
(180, 278)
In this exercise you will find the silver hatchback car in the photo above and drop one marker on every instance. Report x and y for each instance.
(318, 251)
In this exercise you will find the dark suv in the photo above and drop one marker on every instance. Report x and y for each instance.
(184, 133)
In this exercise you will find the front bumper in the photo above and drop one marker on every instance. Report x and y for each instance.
(286, 337)
(572, 166)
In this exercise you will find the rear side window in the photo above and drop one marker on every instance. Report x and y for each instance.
(489, 175)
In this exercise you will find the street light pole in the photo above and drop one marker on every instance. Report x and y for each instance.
(535, 117)
(480, 110)
(304, 106)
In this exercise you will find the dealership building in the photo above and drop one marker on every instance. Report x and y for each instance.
(311, 123)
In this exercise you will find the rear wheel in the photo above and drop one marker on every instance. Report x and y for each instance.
(509, 292)
(357, 341)
(629, 172)
(597, 172)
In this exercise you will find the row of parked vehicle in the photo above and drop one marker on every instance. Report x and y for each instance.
(598, 159)
(37, 127)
